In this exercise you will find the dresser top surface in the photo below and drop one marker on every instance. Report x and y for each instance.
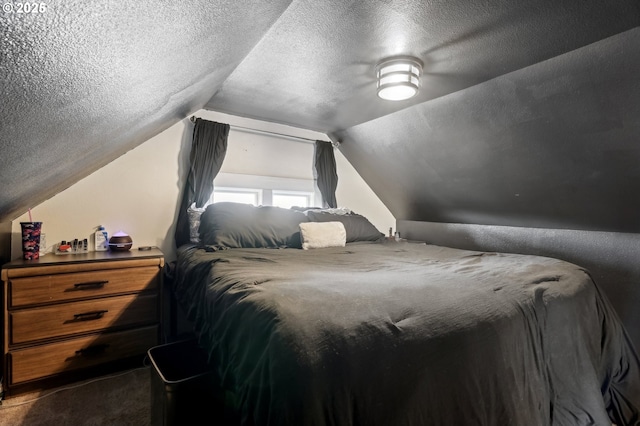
(51, 259)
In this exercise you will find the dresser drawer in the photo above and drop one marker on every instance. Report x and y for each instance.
(74, 354)
(65, 319)
(42, 289)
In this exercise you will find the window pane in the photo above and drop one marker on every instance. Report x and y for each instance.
(289, 200)
(247, 197)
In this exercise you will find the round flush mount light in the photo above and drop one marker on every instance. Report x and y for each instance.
(398, 78)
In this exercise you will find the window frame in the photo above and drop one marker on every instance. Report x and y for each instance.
(308, 195)
(236, 190)
(266, 187)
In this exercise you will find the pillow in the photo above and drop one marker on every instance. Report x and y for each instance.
(236, 225)
(358, 227)
(194, 213)
(322, 234)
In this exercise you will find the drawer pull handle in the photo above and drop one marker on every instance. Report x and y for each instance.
(86, 316)
(90, 285)
(92, 350)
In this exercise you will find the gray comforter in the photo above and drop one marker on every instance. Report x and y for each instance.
(408, 334)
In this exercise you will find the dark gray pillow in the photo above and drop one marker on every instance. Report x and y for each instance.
(237, 225)
(358, 227)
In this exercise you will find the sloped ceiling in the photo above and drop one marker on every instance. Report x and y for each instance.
(315, 67)
(86, 81)
(554, 145)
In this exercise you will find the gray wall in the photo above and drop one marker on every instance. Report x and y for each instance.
(613, 259)
(554, 145)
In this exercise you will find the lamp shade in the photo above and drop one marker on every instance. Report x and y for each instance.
(398, 78)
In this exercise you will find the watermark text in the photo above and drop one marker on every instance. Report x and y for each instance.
(25, 8)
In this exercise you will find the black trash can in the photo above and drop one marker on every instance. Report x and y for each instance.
(184, 389)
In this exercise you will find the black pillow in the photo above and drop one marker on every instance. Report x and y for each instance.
(358, 227)
(237, 225)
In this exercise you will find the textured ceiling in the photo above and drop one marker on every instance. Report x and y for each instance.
(315, 67)
(85, 81)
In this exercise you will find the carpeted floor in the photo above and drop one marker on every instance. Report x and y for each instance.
(118, 399)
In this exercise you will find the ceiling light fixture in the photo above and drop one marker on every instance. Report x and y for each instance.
(398, 78)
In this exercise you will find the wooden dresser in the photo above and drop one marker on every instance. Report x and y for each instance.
(69, 317)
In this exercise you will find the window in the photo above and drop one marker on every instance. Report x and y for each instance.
(237, 195)
(264, 190)
(288, 199)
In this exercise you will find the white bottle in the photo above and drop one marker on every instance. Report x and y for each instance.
(102, 241)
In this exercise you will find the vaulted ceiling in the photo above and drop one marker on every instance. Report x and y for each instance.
(85, 81)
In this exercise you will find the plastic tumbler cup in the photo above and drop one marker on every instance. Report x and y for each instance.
(31, 240)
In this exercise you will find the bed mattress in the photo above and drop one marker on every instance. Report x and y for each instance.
(409, 334)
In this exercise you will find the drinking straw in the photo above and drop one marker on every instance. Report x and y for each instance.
(30, 219)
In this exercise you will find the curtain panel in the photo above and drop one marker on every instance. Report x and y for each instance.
(208, 149)
(327, 176)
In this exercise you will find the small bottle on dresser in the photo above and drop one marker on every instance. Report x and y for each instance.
(102, 239)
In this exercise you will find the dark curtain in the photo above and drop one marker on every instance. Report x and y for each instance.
(326, 173)
(208, 149)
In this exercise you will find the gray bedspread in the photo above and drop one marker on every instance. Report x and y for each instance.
(409, 334)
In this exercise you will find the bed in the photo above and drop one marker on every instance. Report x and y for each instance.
(401, 333)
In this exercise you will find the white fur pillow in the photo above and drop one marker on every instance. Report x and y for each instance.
(322, 234)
